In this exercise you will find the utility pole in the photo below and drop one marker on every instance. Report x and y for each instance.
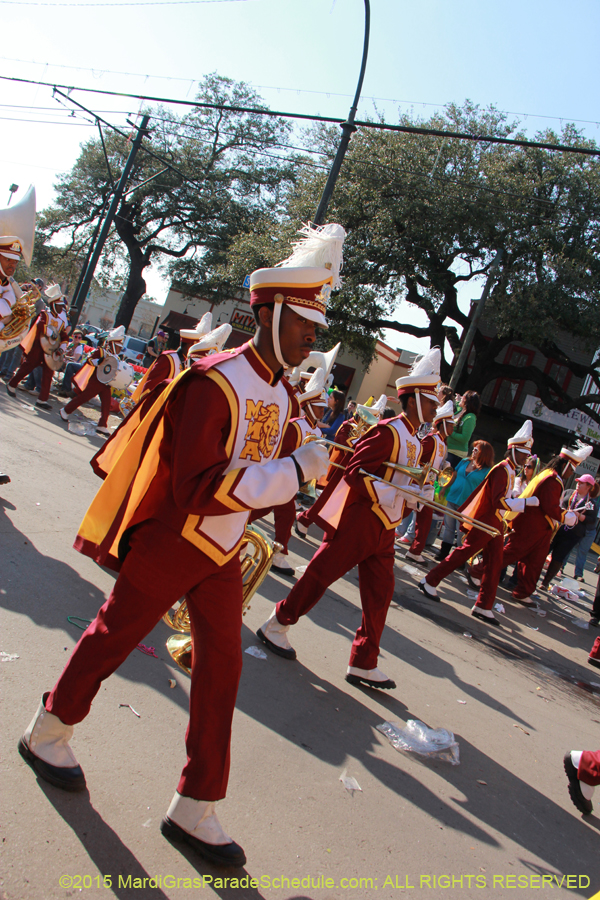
(468, 339)
(348, 128)
(84, 286)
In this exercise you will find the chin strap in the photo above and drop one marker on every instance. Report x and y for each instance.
(419, 410)
(275, 332)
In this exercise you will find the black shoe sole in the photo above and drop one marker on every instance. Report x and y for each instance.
(300, 533)
(358, 681)
(230, 855)
(52, 774)
(279, 651)
(429, 597)
(486, 619)
(584, 806)
(289, 572)
(594, 662)
(4, 479)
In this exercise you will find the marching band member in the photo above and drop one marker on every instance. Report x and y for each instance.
(170, 362)
(312, 405)
(434, 452)
(88, 384)
(210, 342)
(363, 513)
(347, 434)
(17, 231)
(170, 517)
(531, 529)
(50, 326)
(487, 503)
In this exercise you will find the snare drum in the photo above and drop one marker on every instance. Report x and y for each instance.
(123, 377)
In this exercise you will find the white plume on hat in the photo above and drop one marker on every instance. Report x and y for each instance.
(577, 454)
(315, 388)
(524, 436)
(203, 327)
(213, 342)
(445, 412)
(117, 334)
(428, 364)
(321, 246)
(54, 292)
(379, 407)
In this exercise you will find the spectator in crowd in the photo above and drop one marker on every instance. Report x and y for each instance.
(350, 409)
(74, 359)
(155, 348)
(566, 537)
(444, 393)
(583, 547)
(529, 471)
(334, 415)
(470, 473)
(464, 426)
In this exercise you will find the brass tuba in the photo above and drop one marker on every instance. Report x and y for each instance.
(22, 313)
(256, 555)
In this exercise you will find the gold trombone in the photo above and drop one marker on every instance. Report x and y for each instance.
(438, 507)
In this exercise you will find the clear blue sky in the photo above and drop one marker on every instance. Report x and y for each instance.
(537, 59)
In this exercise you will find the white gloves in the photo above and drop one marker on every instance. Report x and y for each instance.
(411, 502)
(428, 492)
(532, 501)
(516, 505)
(389, 498)
(313, 459)
(570, 519)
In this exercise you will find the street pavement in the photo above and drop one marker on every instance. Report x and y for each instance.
(516, 699)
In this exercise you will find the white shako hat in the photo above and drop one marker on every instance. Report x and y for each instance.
(213, 342)
(314, 389)
(444, 412)
(578, 454)
(324, 361)
(304, 280)
(17, 228)
(422, 379)
(116, 336)
(54, 293)
(523, 439)
(379, 407)
(203, 327)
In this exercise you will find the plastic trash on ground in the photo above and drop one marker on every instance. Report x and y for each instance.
(416, 737)
(499, 607)
(8, 657)
(256, 652)
(581, 623)
(350, 783)
(83, 428)
(472, 595)
(564, 593)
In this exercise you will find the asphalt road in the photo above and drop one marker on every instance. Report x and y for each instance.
(516, 699)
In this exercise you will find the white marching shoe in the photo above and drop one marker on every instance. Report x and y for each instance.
(196, 823)
(429, 590)
(485, 615)
(415, 557)
(370, 677)
(64, 416)
(274, 636)
(102, 429)
(280, 564)
(45, 746)
(301, 529)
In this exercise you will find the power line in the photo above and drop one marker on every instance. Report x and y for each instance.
(270, 87)
(378, 126)
(120, 3)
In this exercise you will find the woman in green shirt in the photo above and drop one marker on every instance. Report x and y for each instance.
(464, 426)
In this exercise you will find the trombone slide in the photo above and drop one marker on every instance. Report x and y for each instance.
(438, 507)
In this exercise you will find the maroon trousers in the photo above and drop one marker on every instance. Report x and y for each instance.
(93, 388)
(424, 518)
(529, 550)
(589, 767)
(160, 568)
(284, 516)
(475, 541)
(32, 360)
(360, 538)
